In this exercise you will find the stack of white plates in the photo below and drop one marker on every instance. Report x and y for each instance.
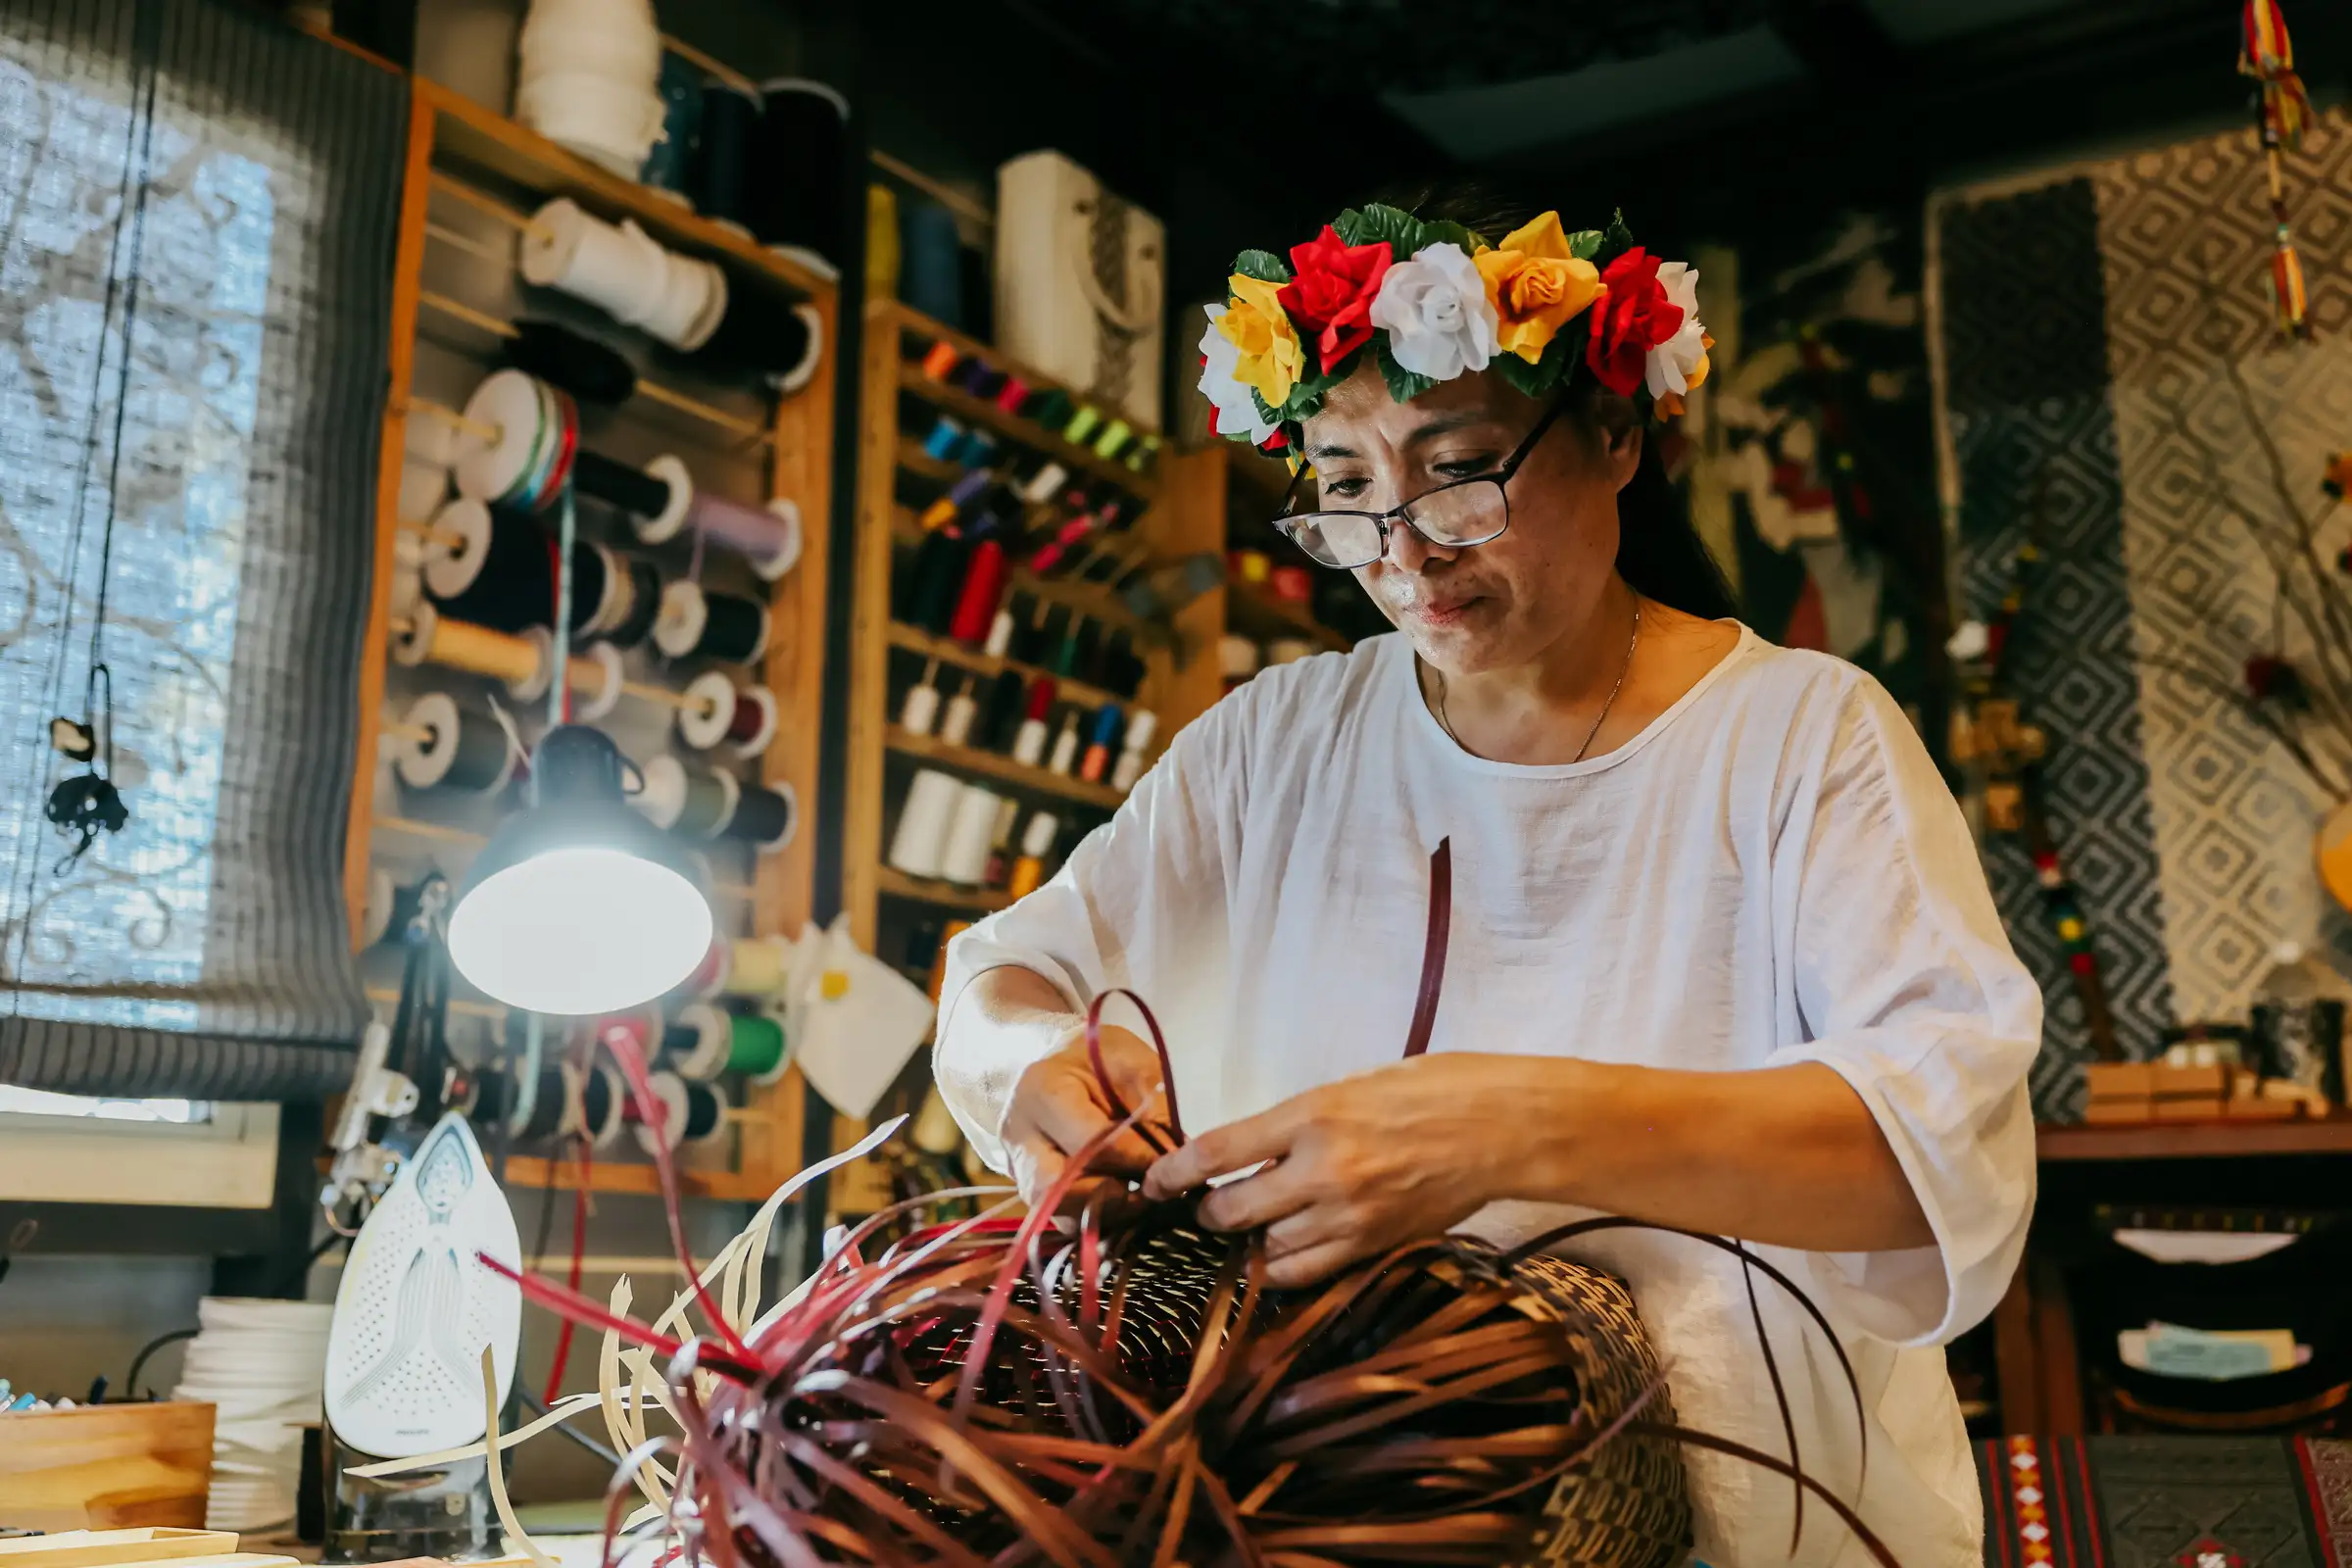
(263, 1366)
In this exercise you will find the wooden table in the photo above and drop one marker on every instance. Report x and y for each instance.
(2036, 1355)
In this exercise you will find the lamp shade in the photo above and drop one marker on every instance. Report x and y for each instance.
(578, 904)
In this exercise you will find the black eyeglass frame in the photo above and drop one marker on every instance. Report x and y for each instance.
(1289, 523)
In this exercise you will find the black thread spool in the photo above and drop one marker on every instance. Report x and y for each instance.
(705, 1112)
(763, 817)
(722, 186)
(639, 606)
(802, 134)
(1040, 632)
(500, 570)
(763, 337)
(548, 1106)
(641, 491)
(698, 623)
(939, 564)
(453, 745)
(582, 367)
(1123, 669)
(1001, 713)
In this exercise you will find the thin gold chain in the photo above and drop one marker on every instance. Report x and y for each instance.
(1631, 643)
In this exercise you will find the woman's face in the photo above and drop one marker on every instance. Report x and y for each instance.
(1504, 603)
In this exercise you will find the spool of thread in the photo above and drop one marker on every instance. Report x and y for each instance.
(1289, 650)
(935, 577)
(624, 273)
(1084, 420)
(1103, 739)
(981, 379)
(940, 360)
(983, 587)
(921, 840)
(637, 594)
(667, 167)
(690, 1114)
(965, 859)
(954, 501)
(1290, 584)
(694, 802)
(698, 624)
(1143, 458)
(656, 496)
(1237, 657)
(1114, 439)
(1000, 842)
(718, 712)
(758, 333)
(550, 1107)
(497, 570)
(1044, 484)
(1123, 669)
(1001, 713)
(1029, 742)
(930, 274)
(999, 633)
(1037, 841)
(955, 726)
(804, 133)
(755, 1047)
(977, 449)
(391, 908)
(762, 817)
(769, 537)
(1012, 394)
(453, 745)
(754, 967)
(921, 709)
(1065, 748)
(695, 1045)
(518, 443)
(722, 187)
(588, 370)
(604, 1106)
(1054, 408)
(431, 446)
(944, 436)
(1141, 725)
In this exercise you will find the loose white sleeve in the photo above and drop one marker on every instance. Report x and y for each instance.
(1140, 903)
(1908, 989)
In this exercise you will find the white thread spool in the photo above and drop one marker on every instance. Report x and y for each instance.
(610, 121)
(920, 842)
(617, 270)
(971, 834)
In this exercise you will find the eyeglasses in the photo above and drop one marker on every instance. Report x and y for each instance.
(1452, 516)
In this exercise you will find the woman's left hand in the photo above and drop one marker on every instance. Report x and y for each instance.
(1371, 1162)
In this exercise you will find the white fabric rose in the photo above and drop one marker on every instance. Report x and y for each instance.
(1435, 312)
(1236, 406)
(1669, 366)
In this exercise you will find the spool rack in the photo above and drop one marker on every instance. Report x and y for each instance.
(885, 905)
(450, 242)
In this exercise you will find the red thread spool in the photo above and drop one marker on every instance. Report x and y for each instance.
(1292, 583)
(983, 587)
(1012, 394)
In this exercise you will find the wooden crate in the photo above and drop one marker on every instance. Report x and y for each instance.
(107, 1465)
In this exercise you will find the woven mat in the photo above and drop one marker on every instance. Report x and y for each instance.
(2166, 1502)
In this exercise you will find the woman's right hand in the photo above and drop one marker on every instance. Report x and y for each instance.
(1058, 1106)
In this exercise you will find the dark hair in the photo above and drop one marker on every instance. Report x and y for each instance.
(1659, 554)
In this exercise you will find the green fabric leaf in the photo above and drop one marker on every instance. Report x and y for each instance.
(1374, 223)
(1615, 241)
(1264, 266)
(1404, 385)
(1442, 234)
(1349, 225)
(1584, 244)
(1532, 379)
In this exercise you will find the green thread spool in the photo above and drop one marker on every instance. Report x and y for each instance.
(756, 1047)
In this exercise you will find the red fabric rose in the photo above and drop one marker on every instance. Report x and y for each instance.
(1331, 294)
(1632, 317)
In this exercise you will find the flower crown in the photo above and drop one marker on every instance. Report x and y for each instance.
(1430, 301)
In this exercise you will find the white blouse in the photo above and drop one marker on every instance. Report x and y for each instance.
(1771, 872)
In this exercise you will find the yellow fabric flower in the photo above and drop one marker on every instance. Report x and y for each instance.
(1536, 286)
(1257, 325)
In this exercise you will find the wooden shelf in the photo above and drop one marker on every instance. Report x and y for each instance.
(949, 652)
(472, 134)
(1024, 432)
(2195, 1139)
(530, 1170)
(1094, 600)
(1035, 780)
(893, 883)
(1247, 605)
(914, 460)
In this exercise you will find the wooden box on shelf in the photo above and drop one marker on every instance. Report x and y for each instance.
(107, 1464)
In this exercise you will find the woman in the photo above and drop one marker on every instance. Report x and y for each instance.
(1722, 955)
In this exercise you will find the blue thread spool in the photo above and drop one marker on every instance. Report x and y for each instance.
(930, 276)
(978, 450)
(946, 439)
(670, 164)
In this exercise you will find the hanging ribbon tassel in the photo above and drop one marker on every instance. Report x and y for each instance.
(2282, 111)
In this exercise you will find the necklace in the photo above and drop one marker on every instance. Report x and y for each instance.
(1598, 719)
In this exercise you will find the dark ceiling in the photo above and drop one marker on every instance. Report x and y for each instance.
(1733, 108)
